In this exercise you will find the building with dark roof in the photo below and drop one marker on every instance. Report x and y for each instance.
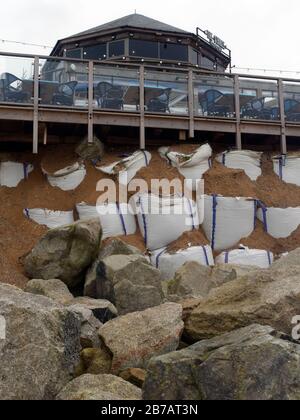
(139, 38)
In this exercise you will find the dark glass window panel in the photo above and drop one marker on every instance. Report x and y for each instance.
(139, 48)
(74, 53)
(174, 52)
(116, 48)
(194, 57)
(95, 52)
(207, 63)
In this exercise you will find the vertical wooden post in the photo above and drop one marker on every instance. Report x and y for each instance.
(91, 102)
(45, 135)
(283, 145)
(237, 112)
(191, 104)
(142, 108)
(36, 74)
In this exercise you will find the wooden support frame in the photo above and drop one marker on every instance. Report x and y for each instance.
(142, 109)
(237, 106)
(36, 74)
(191, 104)
(283, 144)
(91, 102)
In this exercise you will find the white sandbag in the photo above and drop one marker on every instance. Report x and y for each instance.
(228, 220)
(192, 166)
(247, 160)
(288, 168)
(69, 178)
(168, 264)
(12, 173)
(280, 223)
(163, 220)
(245, 256)
(116, 219)
(127, 168)
(49, 218)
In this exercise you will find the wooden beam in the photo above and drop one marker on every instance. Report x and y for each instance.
(142, 109)
(91, 102)
(36, 105)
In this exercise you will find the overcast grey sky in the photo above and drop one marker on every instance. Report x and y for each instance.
(261, 34)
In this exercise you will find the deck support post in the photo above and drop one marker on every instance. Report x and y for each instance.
(91, 102)
(283, 145)
(238, 134)
(36, 73)
(191, 104)
(142, 108)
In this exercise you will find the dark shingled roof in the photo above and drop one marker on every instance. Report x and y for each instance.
(133, 21)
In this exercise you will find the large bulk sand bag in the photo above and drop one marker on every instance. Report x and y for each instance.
(51, 219)
(192, 166)
(168, 263)
(245, 256)
(288, 168)
(247, 160)
(116, 219)
(280, 223)
(12, 173)
(228, 220)
(67, 179)
(163, 220)
(127, 168)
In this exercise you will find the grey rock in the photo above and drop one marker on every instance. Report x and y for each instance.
(116, 246)
(193, 280)
(254, 363)
(89, 337)
(99, 388)
(102, 309)
(53, 289)
(90, 151)
(65, 253)
(39, 348)
(129, 282)
(267, 297)
(134, 338)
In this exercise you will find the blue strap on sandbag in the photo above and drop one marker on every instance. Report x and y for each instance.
(146, 157)
(158, 257)
(144, 222)
(122, 219)
(214, 219)
(206, 256)
(224, 158)
(27, 213)
(191, 212)
(210, 164)
(260, 204)
(226, 257)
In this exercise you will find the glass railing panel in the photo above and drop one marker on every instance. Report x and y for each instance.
(259, 99)
(116, 88)
(292, 101)
(166, 92)
(16, 80)
(214, 96)
(63, 83)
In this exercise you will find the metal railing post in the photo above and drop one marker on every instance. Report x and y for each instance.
(142, 108)
(35, 146)
(283, 145)
(237, 112)
(91, 102)
(191, 104)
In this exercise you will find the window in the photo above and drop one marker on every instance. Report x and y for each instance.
(207, 63)
(76, 53)
(116, 48)
(194, 56)
(138, 48)
(174, 52)
(95, 52)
